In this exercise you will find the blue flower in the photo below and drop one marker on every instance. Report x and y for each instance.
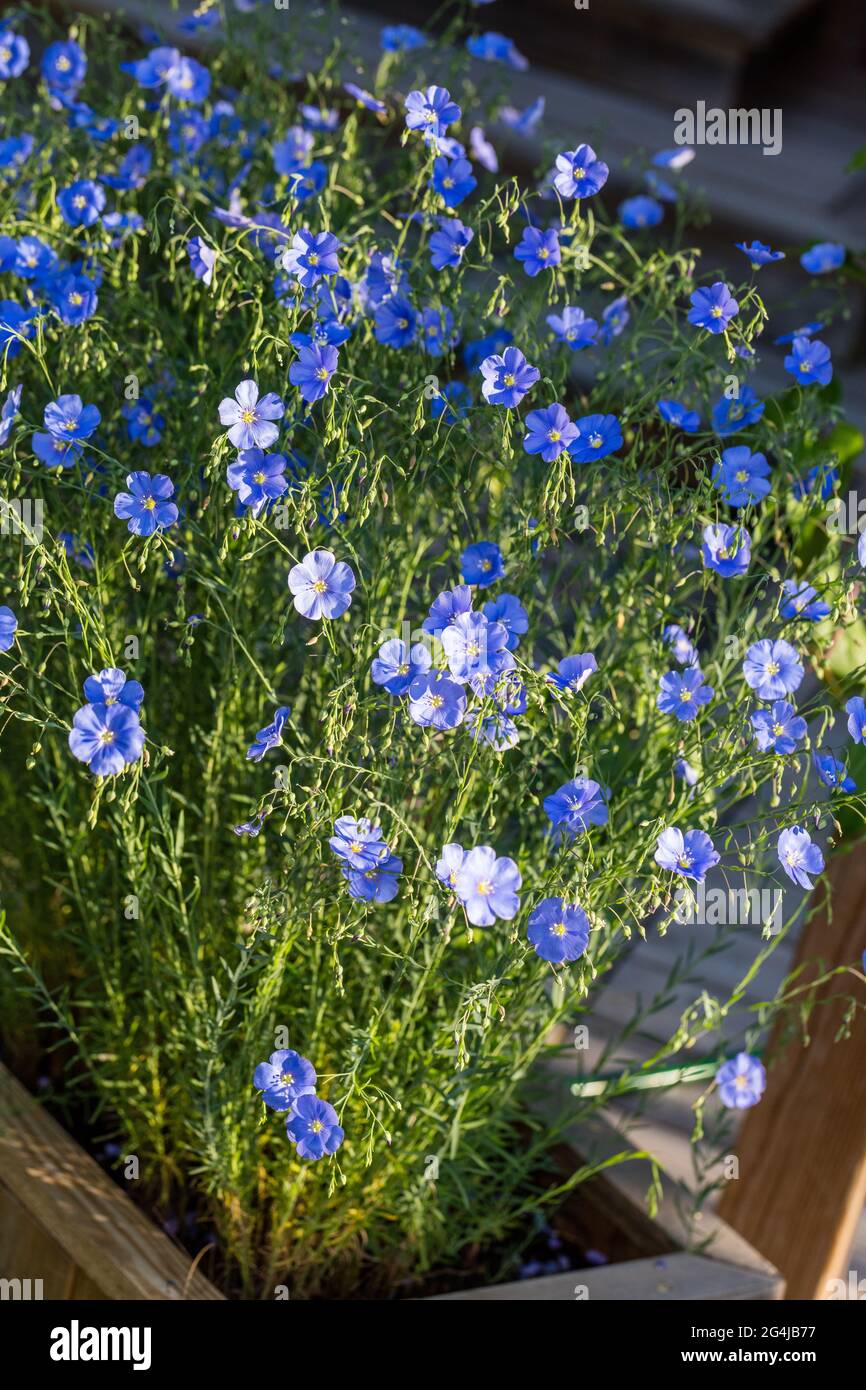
(146, 507)
(398, 664)
(823, 257)
(487, 885)
(496, 48)
(313, 1128)
(778, 728)
(188, 80)
(597, 436)
(833, 773)
(573, 672)
(63, 66)
(15, 324)
(358, 843)
(72, 297)
(313, 370)
(741, 1082)
(81, 203)
(133, 171)
(364, 98)
(729, 416)
(507, 377)
(798, 856)
(508, 611)
(283, 1078)
(69, 419)
(824, 475)
(250, 420)
(401, 38)
(33, 259)
(378, 882)
(675, 413)
(482, 564)
(436, 701)
(292, 153)
(772, 668)
(395, 322)
(614, 319)
(436, 330)
(445, 608)
(579, 173)
(856, 710)
(576, 805)
(801, 601)
(432, 112)
(524, 122)
(683, 693)
(111, 687)
(312, 255)
(202, 259)
(449, 242)
(318, 119)
(713, 308)
(497, 730)
(759, 254)
(685, 772)
(573, 327)
(640, 211)
(538, 250)
(54, 452)
(558, 931)
(8, 627)
(321, 585)
(805, 331)
(681, 646)
(674, 159)
(144, 423)
(549, 432)
(453, 180)
(8, 414)
(809, 362)
(741, 476)
(14, 55)
(270, 736)
(106, 737)
(474, 646)
(727, 550)
(448, 865)
(482, 150)
(690, 855)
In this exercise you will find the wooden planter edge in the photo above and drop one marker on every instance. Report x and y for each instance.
(64, 1221)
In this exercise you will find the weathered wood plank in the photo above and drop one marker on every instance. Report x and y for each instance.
(802, 1151)
(69, 1224)
(667, 1279)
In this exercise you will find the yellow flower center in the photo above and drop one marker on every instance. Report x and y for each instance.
(248, 416)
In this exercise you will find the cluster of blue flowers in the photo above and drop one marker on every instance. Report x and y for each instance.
(464, 669)
(106, 733)
(287, 1082)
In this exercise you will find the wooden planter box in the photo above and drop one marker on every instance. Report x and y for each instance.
(64, 1222)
